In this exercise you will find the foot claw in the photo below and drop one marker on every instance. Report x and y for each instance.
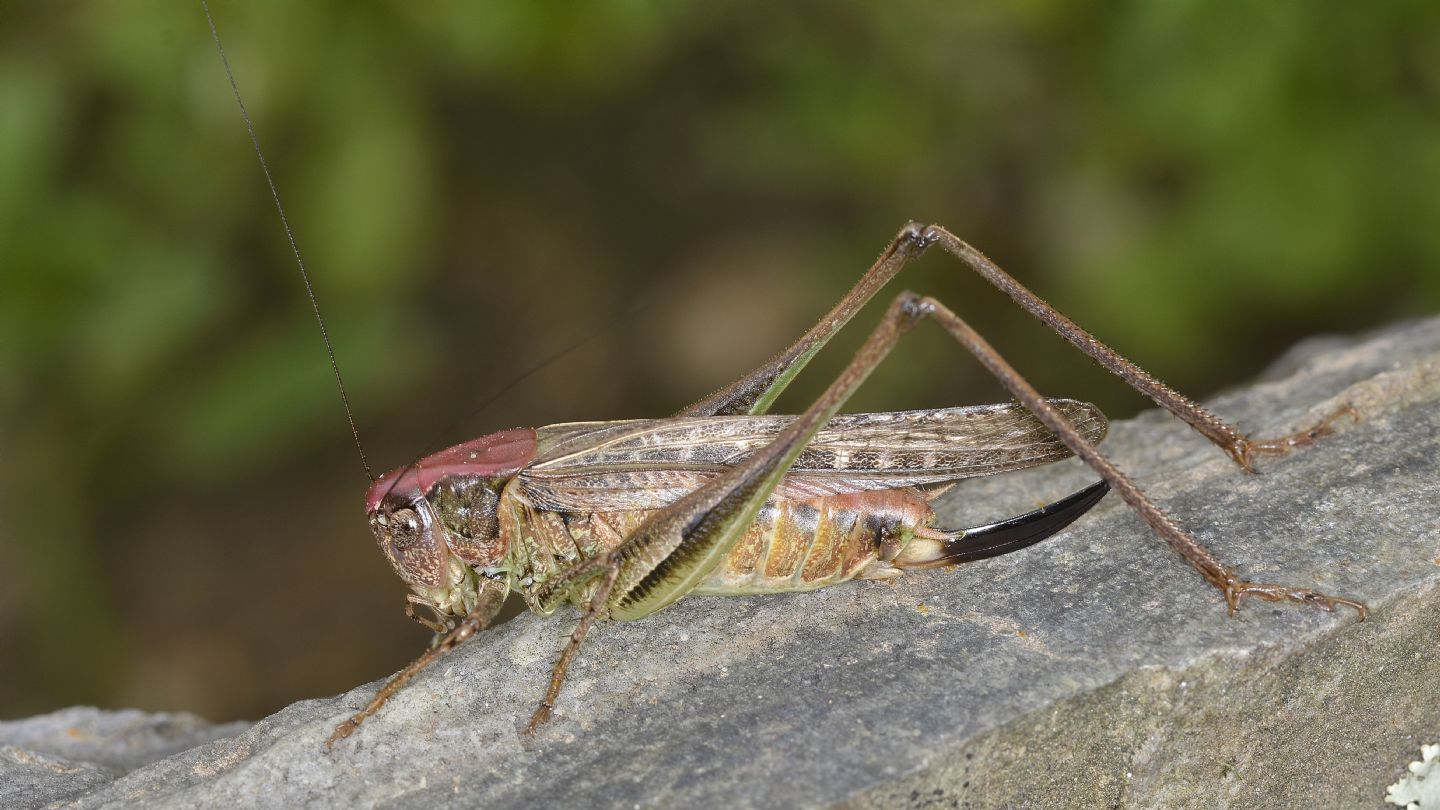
(342, 731)
(1237, 589)
(539, 718)
(1244, 450)
(1329, 603)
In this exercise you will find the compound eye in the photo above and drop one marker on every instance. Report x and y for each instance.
(410, 545)
(404, 526)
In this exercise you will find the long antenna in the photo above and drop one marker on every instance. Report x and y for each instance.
(290, 235)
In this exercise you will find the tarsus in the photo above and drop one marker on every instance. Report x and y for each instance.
(290, 235)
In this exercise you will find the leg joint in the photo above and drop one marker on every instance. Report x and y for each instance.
(931, 234)
(912, 307)
(914, 239)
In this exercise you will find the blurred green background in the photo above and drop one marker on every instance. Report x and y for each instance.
(477, 187)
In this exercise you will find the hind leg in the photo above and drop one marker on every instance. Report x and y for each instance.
(1198, 556)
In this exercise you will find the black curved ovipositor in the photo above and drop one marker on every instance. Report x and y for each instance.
(1013, 534)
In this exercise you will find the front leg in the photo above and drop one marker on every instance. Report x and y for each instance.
(439, 625)
(487, 606)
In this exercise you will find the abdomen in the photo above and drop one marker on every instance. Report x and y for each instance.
(800, 545)
(792, 545)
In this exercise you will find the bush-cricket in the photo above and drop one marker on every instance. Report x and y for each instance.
(622, 518)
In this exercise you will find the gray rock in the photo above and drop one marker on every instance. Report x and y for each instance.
(57, 756)
(1092, 669)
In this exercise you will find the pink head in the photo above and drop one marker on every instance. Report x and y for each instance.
(442, 510)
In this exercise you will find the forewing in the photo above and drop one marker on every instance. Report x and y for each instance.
(913, 448)
(646, 464)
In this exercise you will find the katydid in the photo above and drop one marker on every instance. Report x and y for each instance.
(623, 518)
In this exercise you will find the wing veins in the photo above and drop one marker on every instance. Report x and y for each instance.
(649, 463)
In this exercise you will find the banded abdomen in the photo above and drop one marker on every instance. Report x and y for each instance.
(803, 544)
(794, 544)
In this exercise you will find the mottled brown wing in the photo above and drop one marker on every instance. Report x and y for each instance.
(646, 464)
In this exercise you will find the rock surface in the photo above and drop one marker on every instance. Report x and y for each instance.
(1092, 669)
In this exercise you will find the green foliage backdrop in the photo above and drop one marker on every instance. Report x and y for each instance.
(678, 188)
